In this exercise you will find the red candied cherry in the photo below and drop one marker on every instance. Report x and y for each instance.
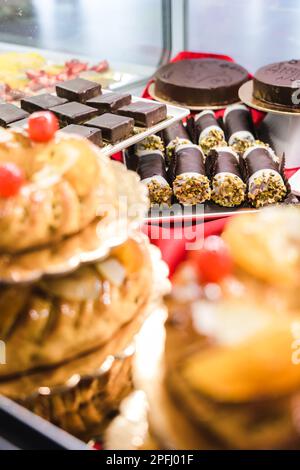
(42, 126)
(11, 179)
(213, 260)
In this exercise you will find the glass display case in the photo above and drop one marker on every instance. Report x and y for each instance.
(68, 376)
(91, 31)
(254, 33)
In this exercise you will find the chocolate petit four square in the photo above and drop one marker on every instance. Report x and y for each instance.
(144, 114)
(78, 89)
(74, 113)
(113, 127)
(110, 102)
(10, 113)
(41, 102)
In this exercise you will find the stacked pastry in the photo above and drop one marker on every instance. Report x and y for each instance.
(232, 353)
(76, 278)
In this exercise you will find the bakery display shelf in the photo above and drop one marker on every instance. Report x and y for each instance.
(27, 431)
(211, 210)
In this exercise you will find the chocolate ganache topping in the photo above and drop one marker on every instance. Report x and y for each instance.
(200, 82)
(278, 83)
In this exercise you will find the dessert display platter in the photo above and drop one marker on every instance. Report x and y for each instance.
(243, 164)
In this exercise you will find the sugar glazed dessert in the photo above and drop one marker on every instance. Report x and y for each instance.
(69, 332)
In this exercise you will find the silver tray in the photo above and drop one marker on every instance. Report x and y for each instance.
(209, 211)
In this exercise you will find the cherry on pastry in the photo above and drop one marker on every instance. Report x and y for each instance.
(42, 126)
(213, 260)
(11, 180)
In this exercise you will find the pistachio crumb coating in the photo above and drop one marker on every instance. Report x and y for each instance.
(213, 139)
(241, 145)
(228, 190)
(191, 190)
(159, 193)
(267, 188)
(152, 142)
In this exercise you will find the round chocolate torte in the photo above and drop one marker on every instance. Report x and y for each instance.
(200, 82)
(278, 83)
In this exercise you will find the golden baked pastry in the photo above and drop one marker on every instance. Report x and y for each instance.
(82, 395)
(76, 278)
(60, 318)
(266, 244)
(66, 181)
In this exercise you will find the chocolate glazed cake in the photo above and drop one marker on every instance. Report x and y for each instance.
(278, 83)
(200, 82)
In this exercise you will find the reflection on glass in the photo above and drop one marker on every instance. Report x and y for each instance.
(123, 31)
(253, 32)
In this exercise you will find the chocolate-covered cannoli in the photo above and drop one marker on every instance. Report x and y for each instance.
(228, 187)
(174, 135)
(239, 127)
(209, 133)
(265, 182)
(152, 171)
(131, 158)
(190, 183)
(152, 142)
